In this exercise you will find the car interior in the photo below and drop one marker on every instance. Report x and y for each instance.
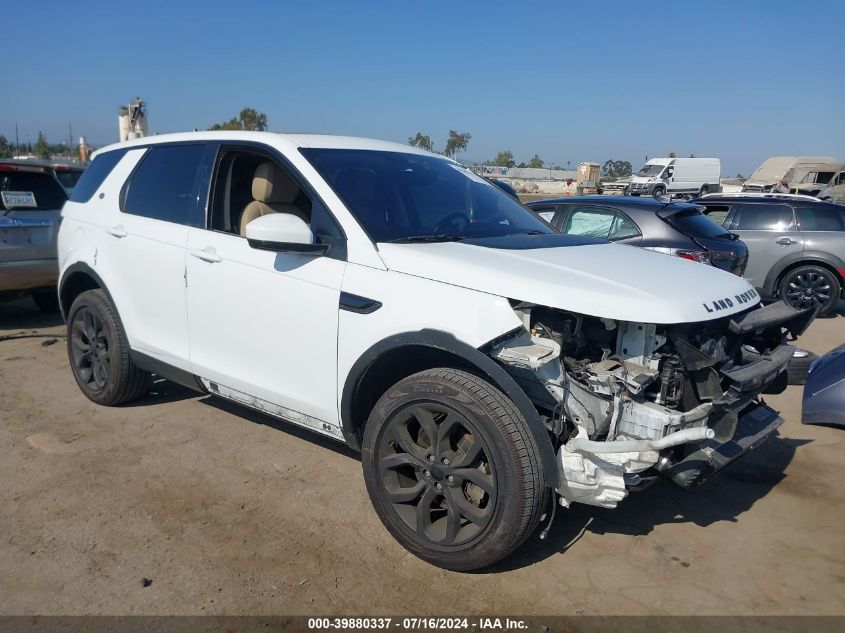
(248, 186)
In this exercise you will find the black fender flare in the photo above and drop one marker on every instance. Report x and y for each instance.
(486, 366)
(795, 258)
(70, 271)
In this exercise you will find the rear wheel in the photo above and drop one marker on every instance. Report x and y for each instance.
(811, 287)
(99, 352)
(703, 191)
(452, 469)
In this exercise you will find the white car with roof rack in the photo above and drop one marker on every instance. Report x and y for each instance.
(486, 366)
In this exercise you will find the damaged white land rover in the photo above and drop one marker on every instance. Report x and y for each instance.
(486, 366)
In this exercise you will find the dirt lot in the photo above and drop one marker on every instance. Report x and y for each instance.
(231, 512)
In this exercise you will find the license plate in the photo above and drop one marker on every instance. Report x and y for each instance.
(19, 199)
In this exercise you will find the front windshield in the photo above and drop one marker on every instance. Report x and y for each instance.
(650, 170)
(399, 196)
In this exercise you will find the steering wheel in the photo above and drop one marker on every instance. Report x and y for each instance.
(449, 223)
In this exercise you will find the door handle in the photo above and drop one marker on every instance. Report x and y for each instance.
(117, 231)
(786, 241)
(207, 254)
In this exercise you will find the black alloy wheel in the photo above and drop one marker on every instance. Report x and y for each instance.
(89, 349)
(811, 287)
(437, 473)
(452, 469)
(99, 353)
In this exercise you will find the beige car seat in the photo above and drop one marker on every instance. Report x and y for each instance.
(273, 191)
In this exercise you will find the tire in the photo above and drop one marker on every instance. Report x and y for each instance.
(481, 485)
(799, 367)
(810, 286)
(658, 191)
(703, 191)
(108, 377)
(47, 299)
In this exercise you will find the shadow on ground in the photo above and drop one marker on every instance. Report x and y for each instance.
(22, 314)
(733, 491)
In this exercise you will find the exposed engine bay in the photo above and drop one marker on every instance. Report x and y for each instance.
(629, 402)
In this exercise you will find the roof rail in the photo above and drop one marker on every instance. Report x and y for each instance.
(752, 194)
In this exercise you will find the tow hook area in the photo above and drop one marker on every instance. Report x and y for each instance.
(706, 458)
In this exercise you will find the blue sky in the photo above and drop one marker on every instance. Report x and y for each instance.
(570, 81)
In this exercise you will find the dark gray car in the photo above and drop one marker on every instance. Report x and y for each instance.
(675, 228)
(796, 246)
(824, 392)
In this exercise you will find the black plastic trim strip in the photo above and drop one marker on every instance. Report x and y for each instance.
(169, 372)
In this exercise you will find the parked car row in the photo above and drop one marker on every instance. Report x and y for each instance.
(31, 200)
(788, 247)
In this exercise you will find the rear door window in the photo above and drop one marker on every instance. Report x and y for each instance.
(165, 185)
(819, 217)
(623, 228)
(591, 221)
(94, 175)
(34, 190)
(600, 222)
(763, 217)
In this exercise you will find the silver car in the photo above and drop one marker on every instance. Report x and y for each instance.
(31, 201)
(796, 246)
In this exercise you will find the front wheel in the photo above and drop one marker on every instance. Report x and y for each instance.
(811, 287)
(452, 469)
(658, 191)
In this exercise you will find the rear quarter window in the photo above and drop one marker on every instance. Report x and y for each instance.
(819, 217)
(46, 190)
(95, 174)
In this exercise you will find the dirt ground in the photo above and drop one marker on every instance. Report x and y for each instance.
(231, 512)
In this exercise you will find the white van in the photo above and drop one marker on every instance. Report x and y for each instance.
(778, 168)
(697, 176)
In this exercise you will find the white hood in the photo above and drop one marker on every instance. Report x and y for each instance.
(613, 281)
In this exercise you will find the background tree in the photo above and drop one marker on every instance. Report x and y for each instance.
(456, 142)
(535, 162)
(672, 155)
(41, 149)
(253, 121)
(616, 168)
(6, 149)
(423, 141)
(504, 159)
(740, 177)
(249, 119)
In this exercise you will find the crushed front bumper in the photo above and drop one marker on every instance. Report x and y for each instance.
(704, 459)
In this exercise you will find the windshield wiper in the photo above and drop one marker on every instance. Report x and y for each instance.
(437, 237)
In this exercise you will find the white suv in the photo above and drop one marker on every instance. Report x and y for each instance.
(485, 365)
